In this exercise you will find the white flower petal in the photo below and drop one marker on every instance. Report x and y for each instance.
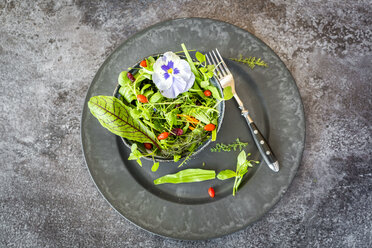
(171, 56)
(160, 81)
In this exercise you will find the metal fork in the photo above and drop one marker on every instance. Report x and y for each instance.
(226, 79)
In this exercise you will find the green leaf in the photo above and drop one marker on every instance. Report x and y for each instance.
(189, 60)
(215, 92)
(152, 125)
(135, 154)
(200, 57)
(176, 158)
(114, 115)
(209, 74)
(204, 84)
(171, 118)
(198, 113)
(155, 167)
(135, 113)
(187, 176)
(203, 69)
(148, 93)
(227, 93)
(241, 158)
(214, 135)
(126, 89)
(144, 88)
(156, 97)
(226, 174)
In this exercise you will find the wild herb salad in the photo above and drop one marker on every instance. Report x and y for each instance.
(167, 106)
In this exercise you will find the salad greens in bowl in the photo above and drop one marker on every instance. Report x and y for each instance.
(167, 107)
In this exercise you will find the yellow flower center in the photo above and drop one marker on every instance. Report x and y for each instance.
(170, 70)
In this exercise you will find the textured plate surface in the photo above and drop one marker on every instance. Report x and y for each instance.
(185, 211)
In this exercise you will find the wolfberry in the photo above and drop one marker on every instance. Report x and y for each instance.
(142, 98)
(163, 136)
(148, 146)
(130, 76)
(177, 131)
(143, 63)
(209, 127)
(211, 192)
(207, 93)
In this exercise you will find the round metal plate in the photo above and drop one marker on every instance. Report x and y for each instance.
(185, 211)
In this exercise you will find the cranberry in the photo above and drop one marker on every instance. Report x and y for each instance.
(130, 76)
(148, 146)
(177, 131)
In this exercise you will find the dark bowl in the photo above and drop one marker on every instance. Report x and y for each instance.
(220, 108)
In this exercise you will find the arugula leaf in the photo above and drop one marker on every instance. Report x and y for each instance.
(171, 118)
(187, 176)
(204, 84)
(156, 97)
(227, 93)
(144, 88)
(199, 56)
(115, 116)
(135, 154)
(215, 92)
(126, 89)
(197, 113)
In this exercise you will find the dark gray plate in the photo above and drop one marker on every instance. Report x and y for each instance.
(185, 211)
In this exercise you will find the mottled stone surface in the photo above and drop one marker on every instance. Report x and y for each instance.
(49, 53)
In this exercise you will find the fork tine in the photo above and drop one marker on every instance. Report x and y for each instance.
(216, 66)
(224, 73)
(208, 60)
(223, 62)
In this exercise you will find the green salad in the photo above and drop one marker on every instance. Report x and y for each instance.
(167, 106)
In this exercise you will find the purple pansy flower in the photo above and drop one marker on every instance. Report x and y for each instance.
(172, 75)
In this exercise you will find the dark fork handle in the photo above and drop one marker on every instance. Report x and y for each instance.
(261, 143)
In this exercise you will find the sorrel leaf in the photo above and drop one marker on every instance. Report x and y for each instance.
(115, 116)
(187, 176)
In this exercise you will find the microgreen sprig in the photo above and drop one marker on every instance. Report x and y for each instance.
(228, 147)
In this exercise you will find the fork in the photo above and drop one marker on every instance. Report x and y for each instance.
(226, 79)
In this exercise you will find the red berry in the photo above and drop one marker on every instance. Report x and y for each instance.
(142, 98)
(207, 93)
(130, 76)
(209, 127)
(163, 136)
(148, 146)
(211, 192)
(177, 131)
(143, 63)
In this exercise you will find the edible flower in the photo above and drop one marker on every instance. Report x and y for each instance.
(172, 75)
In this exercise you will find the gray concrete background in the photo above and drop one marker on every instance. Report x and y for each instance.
(49, 53)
